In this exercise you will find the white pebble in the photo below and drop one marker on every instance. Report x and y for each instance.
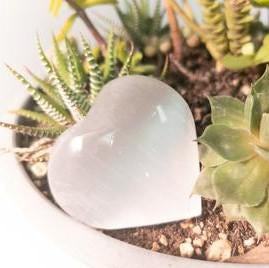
(39, 169)
(163, 240)
(186, 250)
(222, 236)
(197, 242)
(155, 246)
(220, 250)
(249, 242)
(197, 230)
(245, 89)
(188, 240)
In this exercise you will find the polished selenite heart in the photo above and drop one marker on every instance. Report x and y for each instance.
(132, 161)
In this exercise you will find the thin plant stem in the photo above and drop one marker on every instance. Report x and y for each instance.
(84, 17)
(175, 32)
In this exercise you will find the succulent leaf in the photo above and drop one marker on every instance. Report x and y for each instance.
(231, 144)
(241, 182)
(110, 61)
(96, 77)
(40, 132)
(69, 97)
(76, 69)
(36, 116)
(209, 158)
(61, 62)
(47, 104)
(204, 185)
(264, 130)
(227, 111)
(234, 182)
(253, 113)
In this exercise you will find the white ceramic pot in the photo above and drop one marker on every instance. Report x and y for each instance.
(88, 245)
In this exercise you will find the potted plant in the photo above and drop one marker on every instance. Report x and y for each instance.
(67, 95)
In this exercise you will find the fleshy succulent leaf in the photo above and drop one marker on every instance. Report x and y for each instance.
(230, 144)
(234, 182)
(36, 116)
(258, 217)
(40, 132)
(253, 113)
(125, 70)
(76, 69)
(61, 62)
(110, 60)
(96, 77)
(264, 130)
(204, 184)
(227, 111)
(69, 97)
(208, 157)
(47, 104)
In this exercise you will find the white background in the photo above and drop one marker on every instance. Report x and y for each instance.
(20, 20)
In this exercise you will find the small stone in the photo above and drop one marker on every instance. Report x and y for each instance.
(163, 240)
(220, 250)
(39, 169)
(201, 224)
(186, 250)
(204, 237)
(197, 230)
(245, 89)
(155, 246)
(188, 240)
(249, 242)
(222, 236)
(197, 242)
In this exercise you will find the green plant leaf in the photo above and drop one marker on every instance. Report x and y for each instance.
(66, 27)
(253, 113)
(92, 3)
(55, 6)
(264, 130)
(261, 85)
(39, 132)
(242, 183)
(110, 59)
(258, 217)
(231, 144)
(238, 62)
(61, 61)
(232, 212)
(260, 3)
(47, 88)
(36, 116)
(227, 111)
(204, 186)
(208, 157)
(76, 69)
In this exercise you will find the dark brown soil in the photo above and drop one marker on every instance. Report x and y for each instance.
(198, 80)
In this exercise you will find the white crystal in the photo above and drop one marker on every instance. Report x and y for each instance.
(132, 161)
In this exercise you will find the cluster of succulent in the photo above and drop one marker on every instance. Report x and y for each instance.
(144, 27)
(74, 81)
(227, 32)
(235, 156)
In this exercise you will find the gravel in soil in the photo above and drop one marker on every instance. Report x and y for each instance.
(208, 236)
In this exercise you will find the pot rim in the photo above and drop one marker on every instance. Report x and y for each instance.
(86, 244)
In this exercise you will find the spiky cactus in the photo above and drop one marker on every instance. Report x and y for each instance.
(238, 20)
(235, 156)
(70, 90)
(214, 25)
(146, 30)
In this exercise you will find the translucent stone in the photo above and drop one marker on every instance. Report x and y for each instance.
(132, 161)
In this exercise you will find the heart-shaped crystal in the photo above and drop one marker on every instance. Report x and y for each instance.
(132, 161)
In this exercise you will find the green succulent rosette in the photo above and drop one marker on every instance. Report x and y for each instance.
(234, 153)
